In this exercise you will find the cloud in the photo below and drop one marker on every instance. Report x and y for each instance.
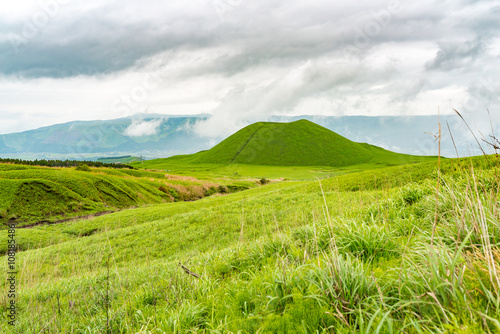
(105, 37)
(456, 55)
(143, 128)
(243, 61)
(409, 91)
(97, 40)
(282, 93)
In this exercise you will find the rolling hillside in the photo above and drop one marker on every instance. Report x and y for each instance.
(291, 257)
(30, 195)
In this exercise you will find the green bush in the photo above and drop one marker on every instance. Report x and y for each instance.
(210, 191)
(83, 168)
(263, 181)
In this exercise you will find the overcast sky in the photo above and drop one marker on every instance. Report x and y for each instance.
(241, 60)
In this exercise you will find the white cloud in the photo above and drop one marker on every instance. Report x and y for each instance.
(105, 59)
(143, 128)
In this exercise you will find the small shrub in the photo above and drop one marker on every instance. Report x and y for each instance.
(264, 181)
(174, 194)
(83, 168)
(210, 191)
(233, 188)
(169, 191)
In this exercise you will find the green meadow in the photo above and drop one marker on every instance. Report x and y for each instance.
(31, 195)
(386, 244)
(361, 252)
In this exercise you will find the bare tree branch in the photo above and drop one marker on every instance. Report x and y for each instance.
(189, 272)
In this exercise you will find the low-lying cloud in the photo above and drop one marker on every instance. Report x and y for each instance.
(143, 128)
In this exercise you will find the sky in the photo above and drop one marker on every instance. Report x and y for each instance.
(242, 61)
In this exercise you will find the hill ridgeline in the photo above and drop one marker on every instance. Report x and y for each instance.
(299, 143)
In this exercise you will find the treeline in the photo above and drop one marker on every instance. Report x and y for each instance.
(62, 163)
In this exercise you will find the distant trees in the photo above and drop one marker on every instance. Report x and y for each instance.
(62, 163)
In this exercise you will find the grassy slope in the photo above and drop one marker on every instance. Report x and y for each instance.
(269, 150)
(300, 143)
(276, 259)
(32, 194)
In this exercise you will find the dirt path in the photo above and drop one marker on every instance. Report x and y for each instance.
(47, 222)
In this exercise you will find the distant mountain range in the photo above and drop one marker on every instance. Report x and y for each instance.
(154, 136)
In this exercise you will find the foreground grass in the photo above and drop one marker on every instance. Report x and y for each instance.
(360, 253)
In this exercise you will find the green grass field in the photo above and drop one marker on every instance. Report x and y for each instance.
(372, 251)
(242, 171)
(31, 195)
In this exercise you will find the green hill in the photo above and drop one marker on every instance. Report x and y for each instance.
(31, 195)
(299, 143)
